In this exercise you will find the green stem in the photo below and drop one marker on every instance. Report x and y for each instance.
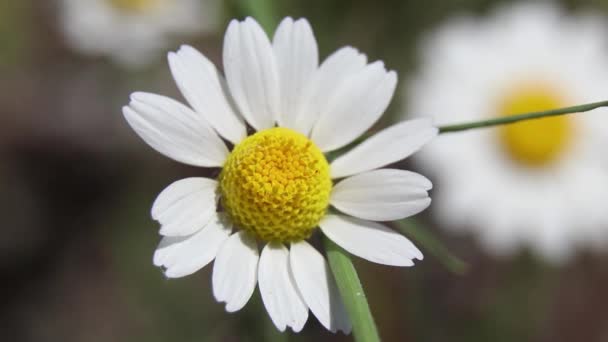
(349, 285)
(520, 117)
(432, 245)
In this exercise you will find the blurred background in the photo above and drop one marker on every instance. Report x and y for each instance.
(77, 185)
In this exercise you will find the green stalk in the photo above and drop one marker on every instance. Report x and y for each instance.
(521, 117)
(349, 285)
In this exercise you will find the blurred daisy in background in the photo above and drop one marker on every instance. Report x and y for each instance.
(275, 186)
(541, 183)
(134, 32)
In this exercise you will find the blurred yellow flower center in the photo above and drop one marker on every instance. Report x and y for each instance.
(537, 142)
(276, 185)
(135, 5)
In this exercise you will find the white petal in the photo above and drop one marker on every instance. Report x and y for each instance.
(382, 195)
(355, 107)
(279, 293)
(297, 57)
(318, 287)
(185, 206)
(184, 255)
(336, 68)
(251, 73)
(175, 130)
(200, 83)
(370, 240)
(235, 271)
(388, 146)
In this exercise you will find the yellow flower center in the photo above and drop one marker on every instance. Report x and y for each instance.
(135, 6)
(538, 142)
(276, 184)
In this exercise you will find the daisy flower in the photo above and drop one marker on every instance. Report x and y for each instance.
(132, 32)
(275, 186)
(539, 183)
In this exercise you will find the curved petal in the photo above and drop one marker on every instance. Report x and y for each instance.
(184, 255)
(370, 240)
(185, 206)
(279, 293)
(318, 287)
(200, 83)
(355, 107)
(382, 195)
(235, 271)
(251, 73)
(295, 48)
(388, 146)
(175, 130)
(336, 68)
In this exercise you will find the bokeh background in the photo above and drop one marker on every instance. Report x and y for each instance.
(76, 186)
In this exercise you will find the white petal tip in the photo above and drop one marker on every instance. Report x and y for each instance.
(428, 186)
(424, 205)
(136, 95)
(169, 273)
(287, 20)
(156, 260)
(126, 111)
(233, 308)
(168, 231)
(303, 20)
(297, 329)
(417, 255)
(280, 328)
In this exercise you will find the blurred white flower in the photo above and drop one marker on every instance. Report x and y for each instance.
(542, 183)
(276, 185)
(134, 32)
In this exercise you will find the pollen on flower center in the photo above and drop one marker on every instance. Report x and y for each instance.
(134, 5)
(538, 142)
(276, 185)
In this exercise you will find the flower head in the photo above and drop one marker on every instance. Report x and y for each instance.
(276, 185)
(133, 31)
(539, 183)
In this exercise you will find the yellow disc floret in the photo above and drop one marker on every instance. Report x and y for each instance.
(134, 5)
(276, 185)
(537, 142)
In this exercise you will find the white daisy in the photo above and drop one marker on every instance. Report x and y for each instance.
(540, 183)
(133, 31)
(276, 185)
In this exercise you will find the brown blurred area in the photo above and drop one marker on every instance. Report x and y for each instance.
(77, 185)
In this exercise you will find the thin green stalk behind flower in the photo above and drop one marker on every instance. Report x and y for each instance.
(349, 285)
(432, 245)
(521, 117)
